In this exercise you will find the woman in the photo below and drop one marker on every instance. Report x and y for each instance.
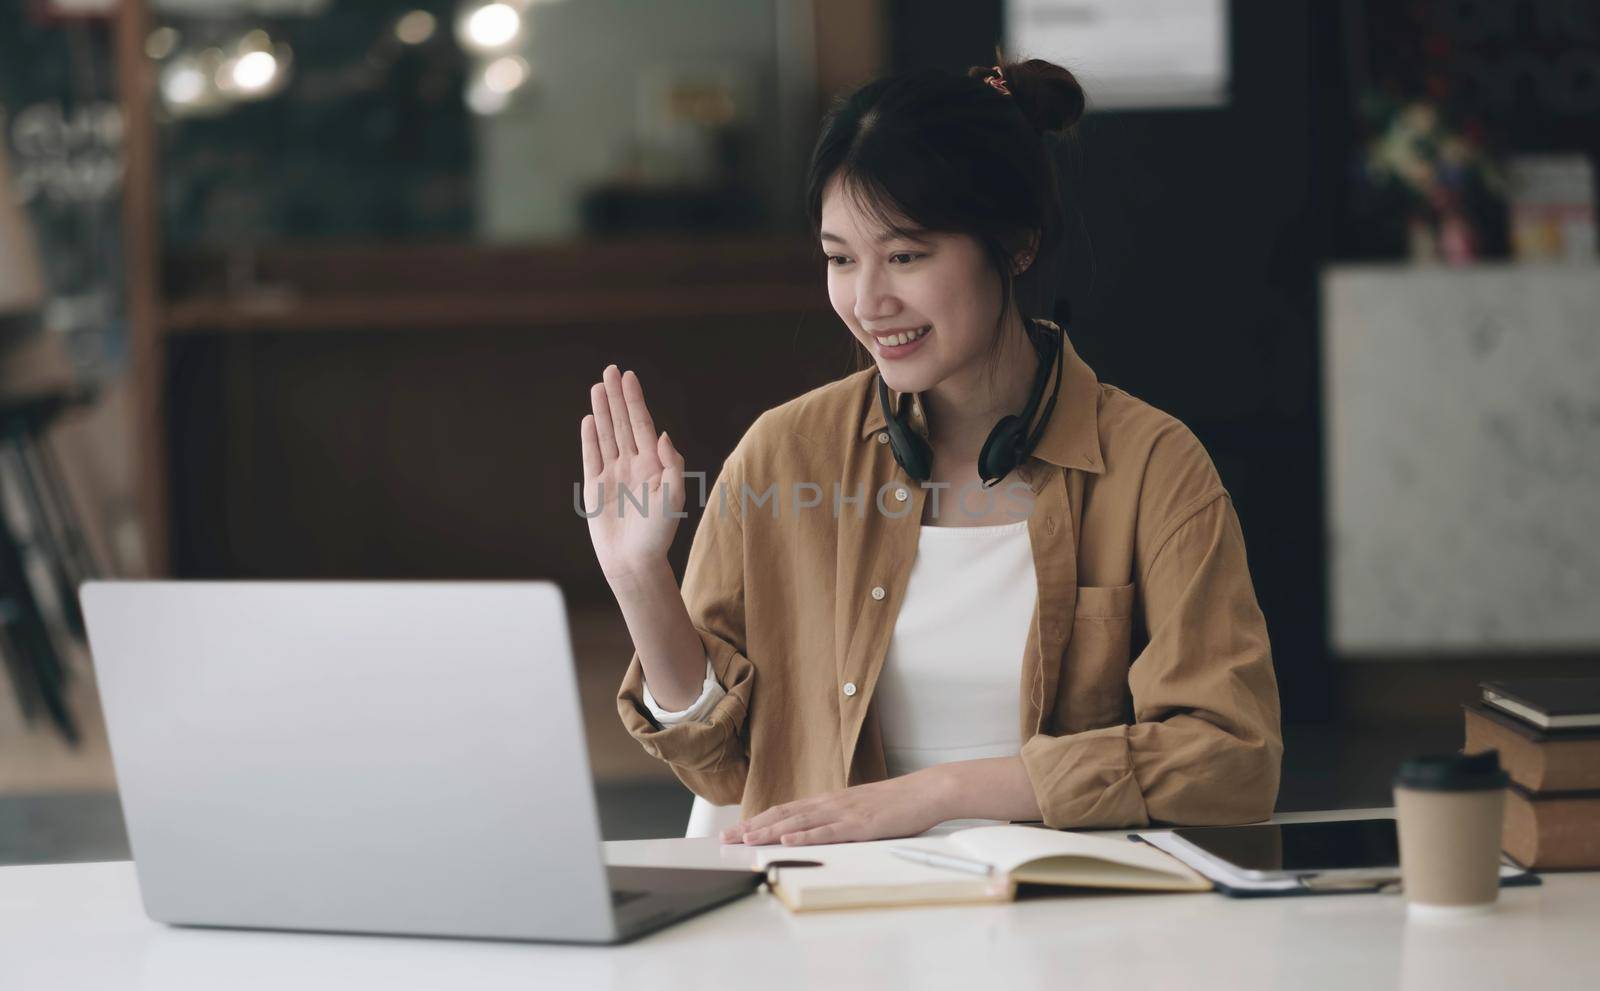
(868, 642)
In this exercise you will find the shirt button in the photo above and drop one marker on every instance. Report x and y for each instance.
(849, 688)
(883, 438)
(878, 592)
(900, 494)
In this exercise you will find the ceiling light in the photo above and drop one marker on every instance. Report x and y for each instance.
(505, 74)
(254, 72)
(415, 27)
(489, 27)
(161, 42)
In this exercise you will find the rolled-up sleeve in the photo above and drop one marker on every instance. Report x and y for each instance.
(1206, 745)
(709, 755)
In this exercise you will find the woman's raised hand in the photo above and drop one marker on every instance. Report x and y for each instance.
(622, 451)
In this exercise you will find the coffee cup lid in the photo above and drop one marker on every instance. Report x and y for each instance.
(1453, 772)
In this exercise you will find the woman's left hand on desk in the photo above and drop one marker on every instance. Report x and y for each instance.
(901, 806)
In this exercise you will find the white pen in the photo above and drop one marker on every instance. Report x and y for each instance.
(949, 860)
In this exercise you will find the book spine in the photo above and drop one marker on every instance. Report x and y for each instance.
(1552, 834)
(1537, 765)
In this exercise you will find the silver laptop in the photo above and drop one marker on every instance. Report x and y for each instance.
(379, 757)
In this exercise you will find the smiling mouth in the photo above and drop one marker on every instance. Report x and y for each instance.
(896, 340)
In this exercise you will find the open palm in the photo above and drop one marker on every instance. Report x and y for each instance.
(622, 453)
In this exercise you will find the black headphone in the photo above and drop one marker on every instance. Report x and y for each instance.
(1008, 442)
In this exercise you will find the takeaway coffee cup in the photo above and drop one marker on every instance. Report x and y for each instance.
(1450, 809)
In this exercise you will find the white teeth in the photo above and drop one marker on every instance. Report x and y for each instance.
(898, 339)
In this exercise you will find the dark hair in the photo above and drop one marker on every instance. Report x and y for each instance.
(932, 151)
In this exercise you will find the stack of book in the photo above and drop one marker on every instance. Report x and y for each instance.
(1547, 731)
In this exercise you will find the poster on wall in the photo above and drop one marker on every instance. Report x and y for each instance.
(1129, 54)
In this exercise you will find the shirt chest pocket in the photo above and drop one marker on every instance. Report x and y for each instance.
(1093, 689)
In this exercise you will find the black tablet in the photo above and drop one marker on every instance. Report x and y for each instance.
(1268, 851)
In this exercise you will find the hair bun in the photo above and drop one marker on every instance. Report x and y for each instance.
(1047, 94)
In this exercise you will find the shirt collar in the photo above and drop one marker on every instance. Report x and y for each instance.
(1071, 438)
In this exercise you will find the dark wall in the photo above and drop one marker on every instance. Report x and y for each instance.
(1190, 266)
(445, 453)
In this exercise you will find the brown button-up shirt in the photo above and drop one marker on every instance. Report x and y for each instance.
(1146, 690)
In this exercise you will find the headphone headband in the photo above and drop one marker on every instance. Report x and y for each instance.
(1060, 346)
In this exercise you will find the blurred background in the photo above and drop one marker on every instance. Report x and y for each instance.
(316, 289)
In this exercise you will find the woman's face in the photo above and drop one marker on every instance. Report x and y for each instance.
(939, 286)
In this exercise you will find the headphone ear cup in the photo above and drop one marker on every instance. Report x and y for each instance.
(1001, 451)
(911, 451)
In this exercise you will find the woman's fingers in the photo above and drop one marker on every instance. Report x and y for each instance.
(593, 463)
(781, 820)
(668, 452)
(772, 833)
(768, 817)
(621, 423)
(622, 428)
(604, 431)
(644, 429)
(821, 834)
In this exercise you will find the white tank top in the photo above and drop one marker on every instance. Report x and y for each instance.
(950, 685)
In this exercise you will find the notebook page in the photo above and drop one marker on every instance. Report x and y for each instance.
(868, 862)
(1011, 847)
(863, 874)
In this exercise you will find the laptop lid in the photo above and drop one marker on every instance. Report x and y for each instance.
(398, 757)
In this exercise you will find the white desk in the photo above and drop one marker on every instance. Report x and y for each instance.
(81, 926)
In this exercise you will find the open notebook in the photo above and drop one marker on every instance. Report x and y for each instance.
(859, 875)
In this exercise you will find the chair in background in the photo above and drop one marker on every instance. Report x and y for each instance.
(43, 559)
(706, 819)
